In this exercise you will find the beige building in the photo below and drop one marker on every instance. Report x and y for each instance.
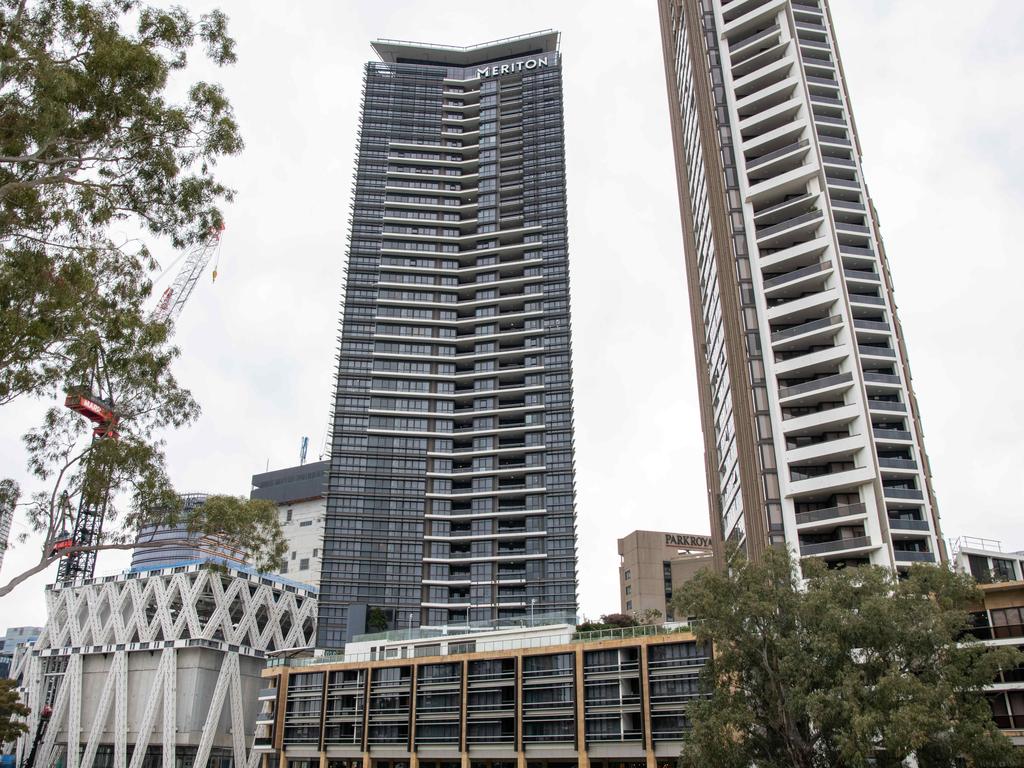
(529, 697)
(652, 564)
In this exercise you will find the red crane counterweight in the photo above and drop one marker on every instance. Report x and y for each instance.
(94, 409)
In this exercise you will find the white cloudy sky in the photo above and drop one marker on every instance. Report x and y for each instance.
(938, 103)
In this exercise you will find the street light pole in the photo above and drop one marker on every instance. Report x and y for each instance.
(533, 602)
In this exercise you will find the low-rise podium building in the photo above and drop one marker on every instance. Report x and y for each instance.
(545, 696)
(158, 667)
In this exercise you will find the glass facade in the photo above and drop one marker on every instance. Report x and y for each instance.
(451, 496)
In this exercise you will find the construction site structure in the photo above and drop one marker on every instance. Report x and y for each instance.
(157, 667)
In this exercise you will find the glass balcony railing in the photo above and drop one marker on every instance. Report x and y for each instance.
(839, 545)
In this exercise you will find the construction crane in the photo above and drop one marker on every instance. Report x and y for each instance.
(173, 299)
(88, 522)
(81, 564)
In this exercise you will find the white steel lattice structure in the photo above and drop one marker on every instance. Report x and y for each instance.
(146, 666)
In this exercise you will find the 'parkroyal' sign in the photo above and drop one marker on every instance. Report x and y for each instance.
(687, 540)
(515, 66)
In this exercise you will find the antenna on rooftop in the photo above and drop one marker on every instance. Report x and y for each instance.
(302, 450)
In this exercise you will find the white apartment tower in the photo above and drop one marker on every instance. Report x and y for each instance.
(812, 432)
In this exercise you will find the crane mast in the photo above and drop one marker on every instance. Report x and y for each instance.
(89, 519)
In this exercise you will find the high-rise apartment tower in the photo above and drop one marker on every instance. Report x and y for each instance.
(451, 499)
(811, 428)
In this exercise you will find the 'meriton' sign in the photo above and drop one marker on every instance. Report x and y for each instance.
(515, 66)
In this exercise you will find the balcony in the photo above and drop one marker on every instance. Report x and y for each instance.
(909, 525)
(861, 275)
(803, 219)
(912, 494)
(887, 463)
(853, 250)
(875, 351)
(839, 545)
(871, 325)
(810, 386)
(887, 405)
(863, 298)
(813, 325)
(830, 513)
(881, 378)
(910, 556)
(892, 434)
(796, 274)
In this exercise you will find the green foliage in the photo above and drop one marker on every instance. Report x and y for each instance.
(376, 620)
(859, 668)
(89, 139)
(608, 621)
(11, 708)
(92, 144)
(647, 616)
(251, 525)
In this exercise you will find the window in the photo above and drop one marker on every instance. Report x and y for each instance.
(288, 516)
(316, 552)
(626, 576)
(304, 523)
(1003, 570)
(629, 590)
(284, 567)
(1007, 622)
(304, 564)
(629, 605)
(293, 555)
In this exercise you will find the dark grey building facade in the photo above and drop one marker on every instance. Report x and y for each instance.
(291, 485)
(451, 493)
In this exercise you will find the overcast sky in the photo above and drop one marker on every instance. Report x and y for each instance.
(938, 104)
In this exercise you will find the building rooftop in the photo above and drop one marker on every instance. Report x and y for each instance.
(166, 569)
(462, 641)
(292, 484)
(976, 544)
(407, 52)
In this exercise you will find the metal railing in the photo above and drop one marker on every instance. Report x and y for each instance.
(974, 542)
(615, 633)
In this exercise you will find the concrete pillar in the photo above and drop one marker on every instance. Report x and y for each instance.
(518, 693)
(581, 724)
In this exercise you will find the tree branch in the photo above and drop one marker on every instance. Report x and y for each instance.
(48, 560)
